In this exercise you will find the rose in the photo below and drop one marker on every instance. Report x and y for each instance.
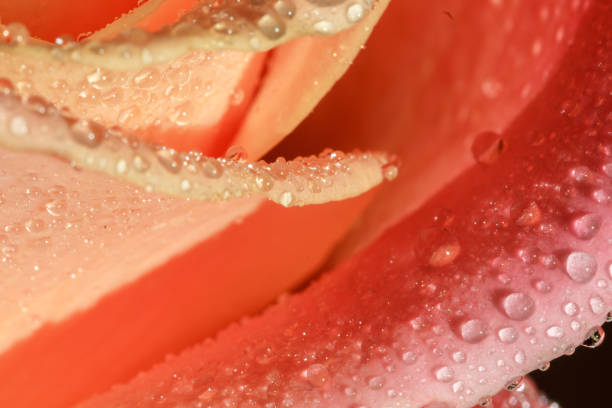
(458, 259)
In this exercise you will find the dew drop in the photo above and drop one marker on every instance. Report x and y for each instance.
(507, 335)
(581, 174)
(376, 382)
(87, 133)
(485, 401)
(519, 357)
(285, 8)
(459, 357)
(236, 153)
(544, 366)
(586, 226)
(554, 332)
(514, 383)
(580, 266)
(607, 169)
(473, 331)
(542, 286)
(286, 199)
(121, 166)
(594, 338)
(444, 373)
(445, 254)
(35, 225)
(140, 164)
(169, 159)
(609, 317)
(575, 325)
(518, 306)
(597, 304)
(316, 375)
(390, 171)
(487, 147)
(55, 207)
(271, 26)
(18, 126)
(354, 12)
(457, 386)
(211, 168)
(409, 357)
(570, 308)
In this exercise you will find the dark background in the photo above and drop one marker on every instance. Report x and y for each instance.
(582, 379)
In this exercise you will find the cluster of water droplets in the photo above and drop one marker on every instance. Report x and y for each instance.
(34, 124)
(213, 25)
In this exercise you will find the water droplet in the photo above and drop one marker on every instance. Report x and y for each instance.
(580, 266)
(586, 226)
(55, 207)
(87, 133)
(324, 27)
(211, 168)
(609, 317)
(473, 331)
(485, 401)
(544, 366)
(530, 215)
(35, 225)
(507, 334)
(487, 147)
(354, 12)
(18, 126)
(514, 383)
(271, 26)
(286, 199)
(236, 153)
(575, 325)
(409, 357)
(285, 8)
(597, 304)
(595, 337)
(317, 375)
(445, 254)
(518, 306)
(581, 174)
(390, 171)
(459, 357)
(457, 386)
(542, 286)
(607, 169)
(376, 382)
(519, 357)
(140, 164)
(554, 332)
(444, 373)
(570, 308)
(169, 159)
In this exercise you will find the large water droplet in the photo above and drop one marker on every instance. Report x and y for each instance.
(18, 126)
(586, 226)
(580, 266)
(518, 306)
(595, 337)
(473, 331)
(544, 366)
